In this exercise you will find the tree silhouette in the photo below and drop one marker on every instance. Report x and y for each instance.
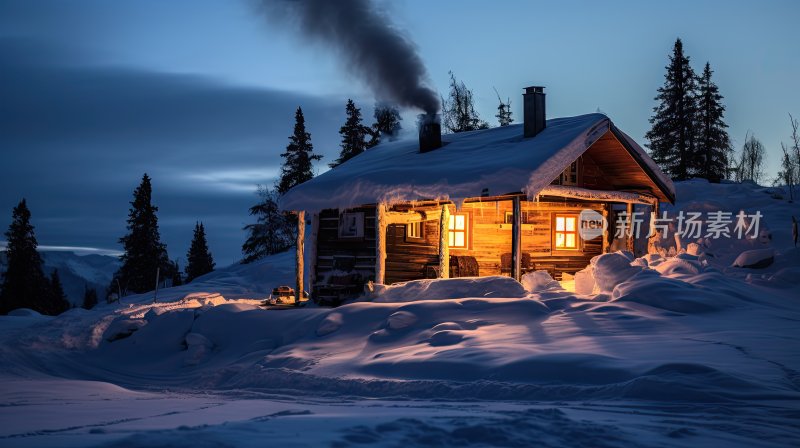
(353, 134)
(713, 143)
(144, 253)
(273, 232)
(200, 261)
(299, 155)
(459, 114)
(672, 136)
(24, 283)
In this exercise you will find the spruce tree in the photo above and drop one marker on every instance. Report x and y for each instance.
(57, 301)
(298, 157)
(713, 143)
(144, 253)
(199, 259)
(89, 298)
(273, 231)
(387, 124)
(672, 137)
(24, 283)
(353, 134)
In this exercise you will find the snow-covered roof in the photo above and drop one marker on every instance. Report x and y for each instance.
(498, 161)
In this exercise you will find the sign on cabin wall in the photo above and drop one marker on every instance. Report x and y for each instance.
(351, 225)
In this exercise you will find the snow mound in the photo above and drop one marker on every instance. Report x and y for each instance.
(677, 266)
(584, 281)
(609, 270)
(401, 319)
(538, 281)
(331, 323)
(452, 288)
(24, 312)
(123, 328)
(701, 294)
(755, 259)
(198, 347)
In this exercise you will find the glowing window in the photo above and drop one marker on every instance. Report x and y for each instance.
(458, 230)
(566, 232)
(414, 230)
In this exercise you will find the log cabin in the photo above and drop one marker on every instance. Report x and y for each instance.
(501, 201)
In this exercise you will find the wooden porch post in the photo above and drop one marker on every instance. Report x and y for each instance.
(516, 234)
(312, 266)
(653, 242)
(380, 244)
(301, 236)
(606, 234)
(631, 235)
(444, 243)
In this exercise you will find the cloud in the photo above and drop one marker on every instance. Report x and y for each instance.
(77, 137)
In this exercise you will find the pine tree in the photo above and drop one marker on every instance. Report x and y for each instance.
(713, 143)
(273, 231)
(24, 283)
(353, 134)
(459, 114)
(57, 301)
(504, 117)
(144, 253)
(387, 124)
(672, 137)
(298, 157)
(89, 297)
(199, 259)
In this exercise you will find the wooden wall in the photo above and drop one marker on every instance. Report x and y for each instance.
(340, 260)
(407, 259)
(489, 239)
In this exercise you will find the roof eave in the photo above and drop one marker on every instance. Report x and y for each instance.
(665, 190)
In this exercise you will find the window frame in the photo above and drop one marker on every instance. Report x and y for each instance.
(465, 231)
(420, 237)
(565, 232)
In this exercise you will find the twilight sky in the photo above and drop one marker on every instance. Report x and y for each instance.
(200, 94)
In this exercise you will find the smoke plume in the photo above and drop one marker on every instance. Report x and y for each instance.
(369, 44)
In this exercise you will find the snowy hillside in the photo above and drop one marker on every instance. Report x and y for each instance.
(670, 351)
(77, 272)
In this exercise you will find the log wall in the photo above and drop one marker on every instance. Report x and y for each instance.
(343, 265)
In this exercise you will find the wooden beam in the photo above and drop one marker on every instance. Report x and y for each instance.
(516, 240)
(444, 243)
(299, 266)
(380, 243)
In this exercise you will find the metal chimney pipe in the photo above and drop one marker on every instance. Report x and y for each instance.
(533, 110)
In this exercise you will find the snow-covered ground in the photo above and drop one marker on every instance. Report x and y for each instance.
(681, 351)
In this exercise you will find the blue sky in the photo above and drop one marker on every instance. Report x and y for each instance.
(200, 94)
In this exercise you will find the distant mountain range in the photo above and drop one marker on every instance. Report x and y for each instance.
(77, 272)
